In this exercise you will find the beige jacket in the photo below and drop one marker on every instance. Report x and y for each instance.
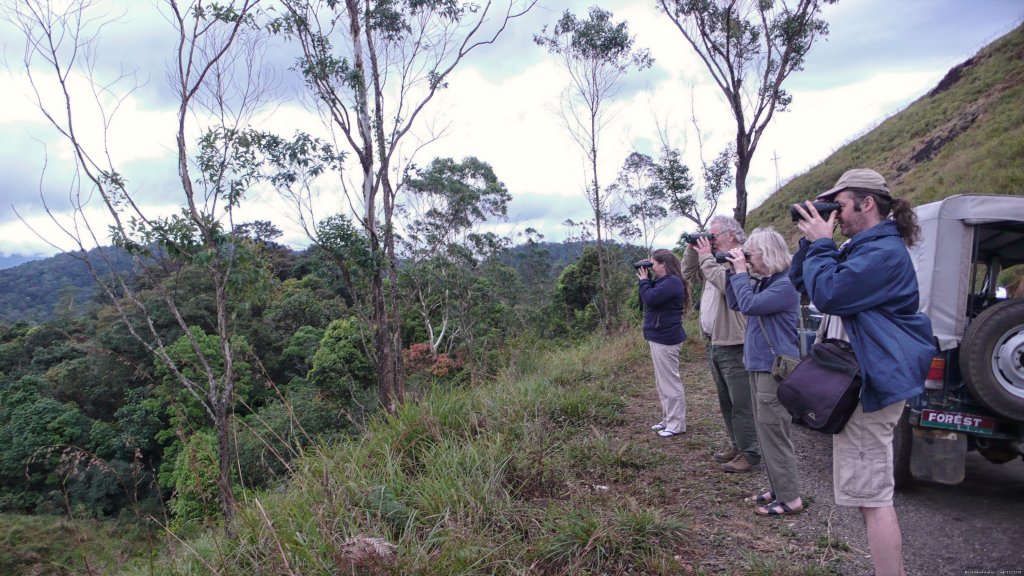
(729, 325)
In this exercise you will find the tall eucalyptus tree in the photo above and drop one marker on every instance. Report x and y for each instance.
(216, 76)
(597, 53)
(373, 66)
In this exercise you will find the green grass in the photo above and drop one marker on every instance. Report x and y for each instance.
(534, 472)
(52, 545)
(595, 454)
(465, 481)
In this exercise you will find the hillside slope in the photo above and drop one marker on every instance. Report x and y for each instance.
(965, 135)
(35, 291)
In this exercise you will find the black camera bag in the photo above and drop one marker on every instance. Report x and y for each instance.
(823, 390)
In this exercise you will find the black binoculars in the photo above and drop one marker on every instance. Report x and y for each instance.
(692, 238)
(823, 208)
(723, 257)
(643, 264)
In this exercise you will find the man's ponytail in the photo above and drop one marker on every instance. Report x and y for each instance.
(906, 221)
(902, 213)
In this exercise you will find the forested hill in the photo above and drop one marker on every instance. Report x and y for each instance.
(965, 135)
(36, 291)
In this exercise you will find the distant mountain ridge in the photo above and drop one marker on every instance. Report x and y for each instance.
(16, 259)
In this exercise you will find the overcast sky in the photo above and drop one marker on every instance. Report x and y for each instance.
(500, 106)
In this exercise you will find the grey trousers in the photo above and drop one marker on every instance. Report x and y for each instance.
(735, 398)
(669, 385)
(773, 423)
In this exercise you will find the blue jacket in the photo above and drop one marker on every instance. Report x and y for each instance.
(776, 303)
(872, 286)
(664, 299)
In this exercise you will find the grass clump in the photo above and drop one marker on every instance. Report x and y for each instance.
(607, 458)
(583, 407)
(588, 541)
(54, 545)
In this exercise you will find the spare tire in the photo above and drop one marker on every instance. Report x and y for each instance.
(992, 358)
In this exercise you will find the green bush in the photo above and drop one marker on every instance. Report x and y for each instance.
(195, 501)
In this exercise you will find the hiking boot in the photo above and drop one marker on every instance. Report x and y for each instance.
(726, 455)
(737, 464)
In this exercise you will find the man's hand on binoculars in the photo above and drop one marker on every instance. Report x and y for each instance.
(811, 224)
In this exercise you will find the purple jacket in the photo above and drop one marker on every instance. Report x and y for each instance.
(664, 299)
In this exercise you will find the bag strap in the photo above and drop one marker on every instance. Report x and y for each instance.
(836, 357)
(801, 341)
(765, 332)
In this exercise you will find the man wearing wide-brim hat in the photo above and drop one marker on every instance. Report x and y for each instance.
(868, 291)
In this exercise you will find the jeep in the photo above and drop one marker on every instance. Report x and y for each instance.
(974, 392)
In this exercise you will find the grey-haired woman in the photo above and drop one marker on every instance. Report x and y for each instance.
(771, 304)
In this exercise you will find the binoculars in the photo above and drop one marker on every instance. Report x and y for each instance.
(642, 264)
(823, 208)
(692, 238)
(723, 257)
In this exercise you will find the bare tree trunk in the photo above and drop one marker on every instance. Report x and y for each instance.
(744, 154)
(382, 341)
(392, 385)
(227, 497)
(222, 400)
(602, 264)
(396, 385)
(742, 168)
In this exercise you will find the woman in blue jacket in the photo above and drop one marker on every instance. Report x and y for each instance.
(664, 299)
(771, 305)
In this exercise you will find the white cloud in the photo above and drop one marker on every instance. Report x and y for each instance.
(499, 107)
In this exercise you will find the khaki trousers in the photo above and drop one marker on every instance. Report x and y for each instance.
(773, 423)
(670, 386)
(862, 468)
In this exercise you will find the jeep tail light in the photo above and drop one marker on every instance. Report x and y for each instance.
(936, 374)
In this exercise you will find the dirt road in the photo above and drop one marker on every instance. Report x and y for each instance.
(976, 527)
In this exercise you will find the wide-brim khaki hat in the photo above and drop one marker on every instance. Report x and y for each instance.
(859, 178)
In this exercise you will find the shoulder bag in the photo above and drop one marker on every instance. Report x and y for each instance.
(782, 365)
(823, 390)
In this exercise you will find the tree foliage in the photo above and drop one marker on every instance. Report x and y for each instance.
(373, 67)
(749, 47)
(596, 52)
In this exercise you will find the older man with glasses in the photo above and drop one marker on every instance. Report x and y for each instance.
(724, 330)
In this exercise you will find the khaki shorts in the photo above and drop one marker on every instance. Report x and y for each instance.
(862, 458)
